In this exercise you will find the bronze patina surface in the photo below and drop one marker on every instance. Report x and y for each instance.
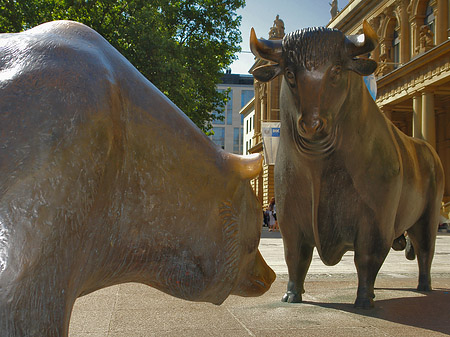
(104, 181)
(345, 177)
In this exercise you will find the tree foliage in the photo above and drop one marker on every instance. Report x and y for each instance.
(181, 46)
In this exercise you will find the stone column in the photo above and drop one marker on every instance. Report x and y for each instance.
(416, 23)
(375, 23)
(417, 117)
(428, 118)
(404, 32)
(441, 21)
(257, 107)
(269, 89)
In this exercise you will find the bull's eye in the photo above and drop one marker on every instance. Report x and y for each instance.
(290, 78)
(335, 74)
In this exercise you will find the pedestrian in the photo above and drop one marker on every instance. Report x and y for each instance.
(272, 210)
(266, 218)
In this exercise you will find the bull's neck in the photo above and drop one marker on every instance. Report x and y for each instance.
(356, 121)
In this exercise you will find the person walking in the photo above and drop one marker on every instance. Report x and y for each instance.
(272, 210)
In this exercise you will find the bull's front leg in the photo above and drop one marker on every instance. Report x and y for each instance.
(370, 254)
(298, 257)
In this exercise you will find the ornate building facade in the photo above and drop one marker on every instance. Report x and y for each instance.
(264, 107)
(413, 75)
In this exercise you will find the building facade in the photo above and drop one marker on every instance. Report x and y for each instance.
(227, 133)
(413, 74)
(264, 107)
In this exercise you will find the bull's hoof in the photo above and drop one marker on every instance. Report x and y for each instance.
(291, 297)
(363, 303)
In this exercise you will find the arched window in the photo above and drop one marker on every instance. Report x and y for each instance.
(396, 49)
(429, 19)
(448, 18)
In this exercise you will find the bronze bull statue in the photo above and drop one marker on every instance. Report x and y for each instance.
(104, 181)
(345, 177)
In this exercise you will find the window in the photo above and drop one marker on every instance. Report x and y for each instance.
(241, 141)
(219, 136)
(216, 120)
(229, 108)
(448, 18)
(219, 112)
(396, 49)
(236, 141)
(246, 96)
(429, 19)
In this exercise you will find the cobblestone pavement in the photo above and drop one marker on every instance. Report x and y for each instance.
(134, 310)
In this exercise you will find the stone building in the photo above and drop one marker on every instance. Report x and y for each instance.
(413, 55)
(264, 107)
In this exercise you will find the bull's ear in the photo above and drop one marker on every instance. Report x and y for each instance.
(363, 67)
(267, 72)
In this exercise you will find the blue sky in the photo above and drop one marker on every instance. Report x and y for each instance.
(296, 14)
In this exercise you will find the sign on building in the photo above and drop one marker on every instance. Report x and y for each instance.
(270, 137)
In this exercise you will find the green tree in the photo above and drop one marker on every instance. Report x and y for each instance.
(180, 46)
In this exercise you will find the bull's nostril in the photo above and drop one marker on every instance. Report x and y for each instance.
(314, 127)
(302, 125)
(319, 125)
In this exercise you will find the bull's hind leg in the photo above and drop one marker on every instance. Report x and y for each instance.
(423, 238)
(298, 258)
(369, 256)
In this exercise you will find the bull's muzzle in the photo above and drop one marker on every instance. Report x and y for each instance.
(310, 128)
(258, 281)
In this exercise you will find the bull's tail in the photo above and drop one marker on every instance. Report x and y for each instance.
(409, 250)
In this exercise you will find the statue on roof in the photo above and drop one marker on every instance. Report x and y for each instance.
(277, 30)
(334, 9)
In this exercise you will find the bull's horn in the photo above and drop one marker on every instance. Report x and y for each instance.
(363, 43)
(270, 50)
(248, 167)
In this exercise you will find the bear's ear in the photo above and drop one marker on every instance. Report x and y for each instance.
(267, 72)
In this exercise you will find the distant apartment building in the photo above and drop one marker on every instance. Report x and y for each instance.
(228, 133)
(248, 114)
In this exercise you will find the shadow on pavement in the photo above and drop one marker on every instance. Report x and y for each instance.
(427, 310)
(265, 234)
